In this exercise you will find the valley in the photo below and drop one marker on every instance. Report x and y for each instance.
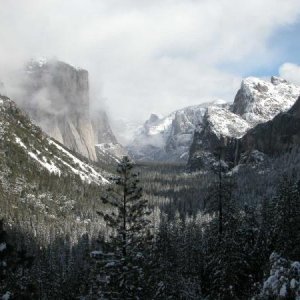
(202, 198)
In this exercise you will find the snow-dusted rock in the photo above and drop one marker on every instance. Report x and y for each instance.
(276, 136)
(225, 123)
(168, 138)
(223, 129)
(259, 101)
(110, 153)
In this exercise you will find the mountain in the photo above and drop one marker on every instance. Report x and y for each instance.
(220, 127)
(274, 137)
(56, 96)
(45, 188)
(108, 150)
(25, 145)
(257, 101)
(168, 138)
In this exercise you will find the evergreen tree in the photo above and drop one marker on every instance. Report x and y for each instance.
(226, 267)
(288, 219)
(15, 277)
(124, 268)
(6, 252)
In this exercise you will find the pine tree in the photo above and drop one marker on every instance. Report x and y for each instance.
(225, 267)
(6, 251)
(287, 215)
(15, 279)
(124, 268)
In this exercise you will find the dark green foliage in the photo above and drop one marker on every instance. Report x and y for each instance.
(16, 279)
(286, 208)
(123, 270)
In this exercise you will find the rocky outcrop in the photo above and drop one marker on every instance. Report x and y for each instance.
(259, 101)
(256, 102)
(274, 137)
(216, 138)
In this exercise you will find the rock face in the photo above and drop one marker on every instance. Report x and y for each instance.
(108, 150)
(256, 102)
(168, 138)
(57, 99)
(259, 101)
(274, 137)
(220, 129)
(103, 132)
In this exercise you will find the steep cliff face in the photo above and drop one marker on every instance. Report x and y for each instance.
(57, 98)
(168, 138)
(220, 129)
(108, 150)
(274, 137)
(256, 102)
(102, 129)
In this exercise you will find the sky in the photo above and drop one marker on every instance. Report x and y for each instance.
(155, 56)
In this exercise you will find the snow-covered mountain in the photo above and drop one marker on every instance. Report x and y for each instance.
(274, 137)
(169, 138)
(25, 144)
(56, 96)
(257, 101)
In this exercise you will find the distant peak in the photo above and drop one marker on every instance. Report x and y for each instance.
(153, 118)
(277, 80)
(256, 81)
(42, 62)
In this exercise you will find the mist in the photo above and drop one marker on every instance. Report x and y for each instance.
(147, 57)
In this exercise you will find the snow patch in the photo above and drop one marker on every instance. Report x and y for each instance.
(49, 166)
(86, 172)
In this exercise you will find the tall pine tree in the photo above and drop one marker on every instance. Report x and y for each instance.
(124, 266)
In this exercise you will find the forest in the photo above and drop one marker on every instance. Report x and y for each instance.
(156, 232)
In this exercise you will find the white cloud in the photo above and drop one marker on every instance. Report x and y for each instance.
(291, 72)
(146, 56)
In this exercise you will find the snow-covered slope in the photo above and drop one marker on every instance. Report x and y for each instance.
(168, 138)
(110, 153)
(37, 150)
(225, 123)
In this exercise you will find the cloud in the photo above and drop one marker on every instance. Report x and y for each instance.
(145, 56)
(291, 72)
